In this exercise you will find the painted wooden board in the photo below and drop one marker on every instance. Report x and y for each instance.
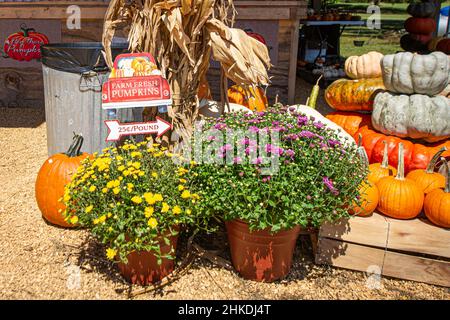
(418, 236)
(392, 264)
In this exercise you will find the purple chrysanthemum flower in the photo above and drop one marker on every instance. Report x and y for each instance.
(290, 153)
(329, 184)
(257, 160)
(220, 126)
(318, 125)
(212, 138)
(307, 134)
(333, 143)
(253, 129)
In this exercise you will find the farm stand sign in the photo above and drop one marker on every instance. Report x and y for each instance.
(136, 82)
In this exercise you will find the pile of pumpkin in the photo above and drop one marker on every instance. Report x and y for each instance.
(393, 107)
(420, 27)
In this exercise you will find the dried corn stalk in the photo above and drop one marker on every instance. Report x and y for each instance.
(181, 35)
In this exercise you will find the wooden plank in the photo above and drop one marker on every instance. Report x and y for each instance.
(263, 13)
(357, 257)
(371, 231)
(36, 11)
(293, 62)
(419, 236)
(348, 255)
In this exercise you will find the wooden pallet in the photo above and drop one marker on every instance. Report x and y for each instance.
(406, 249)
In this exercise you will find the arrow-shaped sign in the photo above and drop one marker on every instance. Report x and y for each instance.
(117, 129)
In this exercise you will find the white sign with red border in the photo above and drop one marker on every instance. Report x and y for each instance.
(117, 129)
(135, 82)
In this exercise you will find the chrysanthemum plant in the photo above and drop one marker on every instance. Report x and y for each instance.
(132, 198)
(303, 175)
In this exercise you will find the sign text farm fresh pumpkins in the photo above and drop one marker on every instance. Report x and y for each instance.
(136, 82)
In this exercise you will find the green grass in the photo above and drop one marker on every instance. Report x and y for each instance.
(386, 40)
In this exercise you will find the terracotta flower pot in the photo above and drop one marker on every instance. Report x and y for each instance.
(142, 267)
(260, 255)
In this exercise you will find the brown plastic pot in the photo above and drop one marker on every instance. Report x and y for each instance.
(261, 255)
(142, 267)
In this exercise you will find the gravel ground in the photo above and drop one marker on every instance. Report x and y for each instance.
(40, 261)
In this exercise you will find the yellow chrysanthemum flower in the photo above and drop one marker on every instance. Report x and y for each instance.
(154, 175)
(180, 187)
(182, 180)
(136, 154)
(89, 209)
(73, 219)
(136, 165)
(176, 210)
(92, 188)
(152, 223)
(116, 190)
(105, 190)
(149, 198)
(148, 212)
(111, 253)
(186, 194)
(121, 168)
(136, 199)
(188, 211)
(165, 207)
(158, 197)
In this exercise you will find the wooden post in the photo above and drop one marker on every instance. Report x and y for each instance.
(293, 62)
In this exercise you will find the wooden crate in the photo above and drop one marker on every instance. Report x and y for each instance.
(406, 249)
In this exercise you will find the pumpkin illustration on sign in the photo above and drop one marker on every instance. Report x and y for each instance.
(25, 45)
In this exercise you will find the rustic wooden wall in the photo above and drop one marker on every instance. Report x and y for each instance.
(23, 86)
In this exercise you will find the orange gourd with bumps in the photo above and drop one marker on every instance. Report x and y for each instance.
(400, 197)
(54, 174)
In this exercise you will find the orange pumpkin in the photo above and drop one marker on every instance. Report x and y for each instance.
(368, 191)
(428, 179)
(204, 92)
(369, 199)
(251, 97)
(54, 174)
(350, 121)
(437, 203)
(400, 197)
(383, 169)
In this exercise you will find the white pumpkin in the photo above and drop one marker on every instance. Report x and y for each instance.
(416, 116)
(410, 73)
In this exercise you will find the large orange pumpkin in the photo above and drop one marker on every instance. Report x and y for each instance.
(437, 203)
(428, 179)
(400, 197)
(251, 97)
(54, 174)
